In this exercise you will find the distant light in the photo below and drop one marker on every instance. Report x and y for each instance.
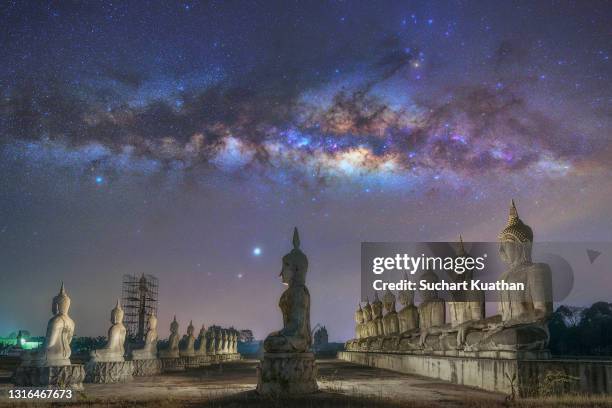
(257, 251)
(99, 179)
(240, 276)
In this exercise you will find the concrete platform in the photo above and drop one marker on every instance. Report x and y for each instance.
(522, 376)
(233, 383)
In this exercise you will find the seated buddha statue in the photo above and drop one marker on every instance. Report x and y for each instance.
(359, 327)
(432, 310)
(218, 341)
(114, 349)
(210, 342)
(294, 303)
(201, 342)
(172, 351)
(369, 325)
(149, 350)
(522, 320)
(408, 315)
(390, 319)
(377, 315)
(188, 349)
(55, 350)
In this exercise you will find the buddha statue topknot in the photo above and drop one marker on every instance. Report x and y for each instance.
(294, 304)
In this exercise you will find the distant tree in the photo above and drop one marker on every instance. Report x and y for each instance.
(581, 331)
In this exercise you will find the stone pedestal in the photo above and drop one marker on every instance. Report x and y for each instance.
(190, 361)
(144, 368)
(109, 372)
(172, 364)
(287, 373)
(70, 376)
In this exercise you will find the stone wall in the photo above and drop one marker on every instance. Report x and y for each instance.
(500, 375)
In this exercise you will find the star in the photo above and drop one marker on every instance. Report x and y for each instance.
(257, 251)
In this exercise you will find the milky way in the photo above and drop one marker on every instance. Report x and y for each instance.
(198, 131)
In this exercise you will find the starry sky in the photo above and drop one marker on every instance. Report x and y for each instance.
(185, 139)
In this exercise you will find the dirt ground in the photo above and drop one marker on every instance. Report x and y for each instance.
(342, 384)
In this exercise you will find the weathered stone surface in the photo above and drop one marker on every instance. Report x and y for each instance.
(287, 373)
(114, 349)
(191, 361)
(69, 376)
(172, 364)
(108, 372)
(144, 368)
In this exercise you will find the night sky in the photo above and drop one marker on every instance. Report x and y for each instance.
(186, 139)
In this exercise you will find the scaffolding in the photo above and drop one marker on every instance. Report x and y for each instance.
(139, 301)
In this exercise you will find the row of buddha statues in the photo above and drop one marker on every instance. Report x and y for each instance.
(521, 323)
(56, 351)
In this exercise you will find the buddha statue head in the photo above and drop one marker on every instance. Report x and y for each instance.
(376, 306)
(406, 297)
(117, 313)
(367, 311)
(359, 315)
(389, 301)
(515, 240)
(61, 302)
(190, 328)
(152, 322)
(295, 264)
(202, 331)
(224, 334)
(174, 326)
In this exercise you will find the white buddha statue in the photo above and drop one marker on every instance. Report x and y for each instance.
(114, 349)
(201, 343)
(55, 351)
(188, 349)
(173, 342)
(149, 350)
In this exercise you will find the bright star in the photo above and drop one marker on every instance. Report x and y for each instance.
(257, 251)
(99, 179)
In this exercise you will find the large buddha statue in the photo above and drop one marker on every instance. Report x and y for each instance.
(188, 349)
(172, 351)
(390, 320)
(149, 350)
(55, 350)
(294, 303)
(408, 315)
(224, 341)
(523, 315)
(114, 349)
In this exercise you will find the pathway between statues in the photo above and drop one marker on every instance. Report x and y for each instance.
(238, 379)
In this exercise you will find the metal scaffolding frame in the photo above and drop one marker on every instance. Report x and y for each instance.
(139, 300)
